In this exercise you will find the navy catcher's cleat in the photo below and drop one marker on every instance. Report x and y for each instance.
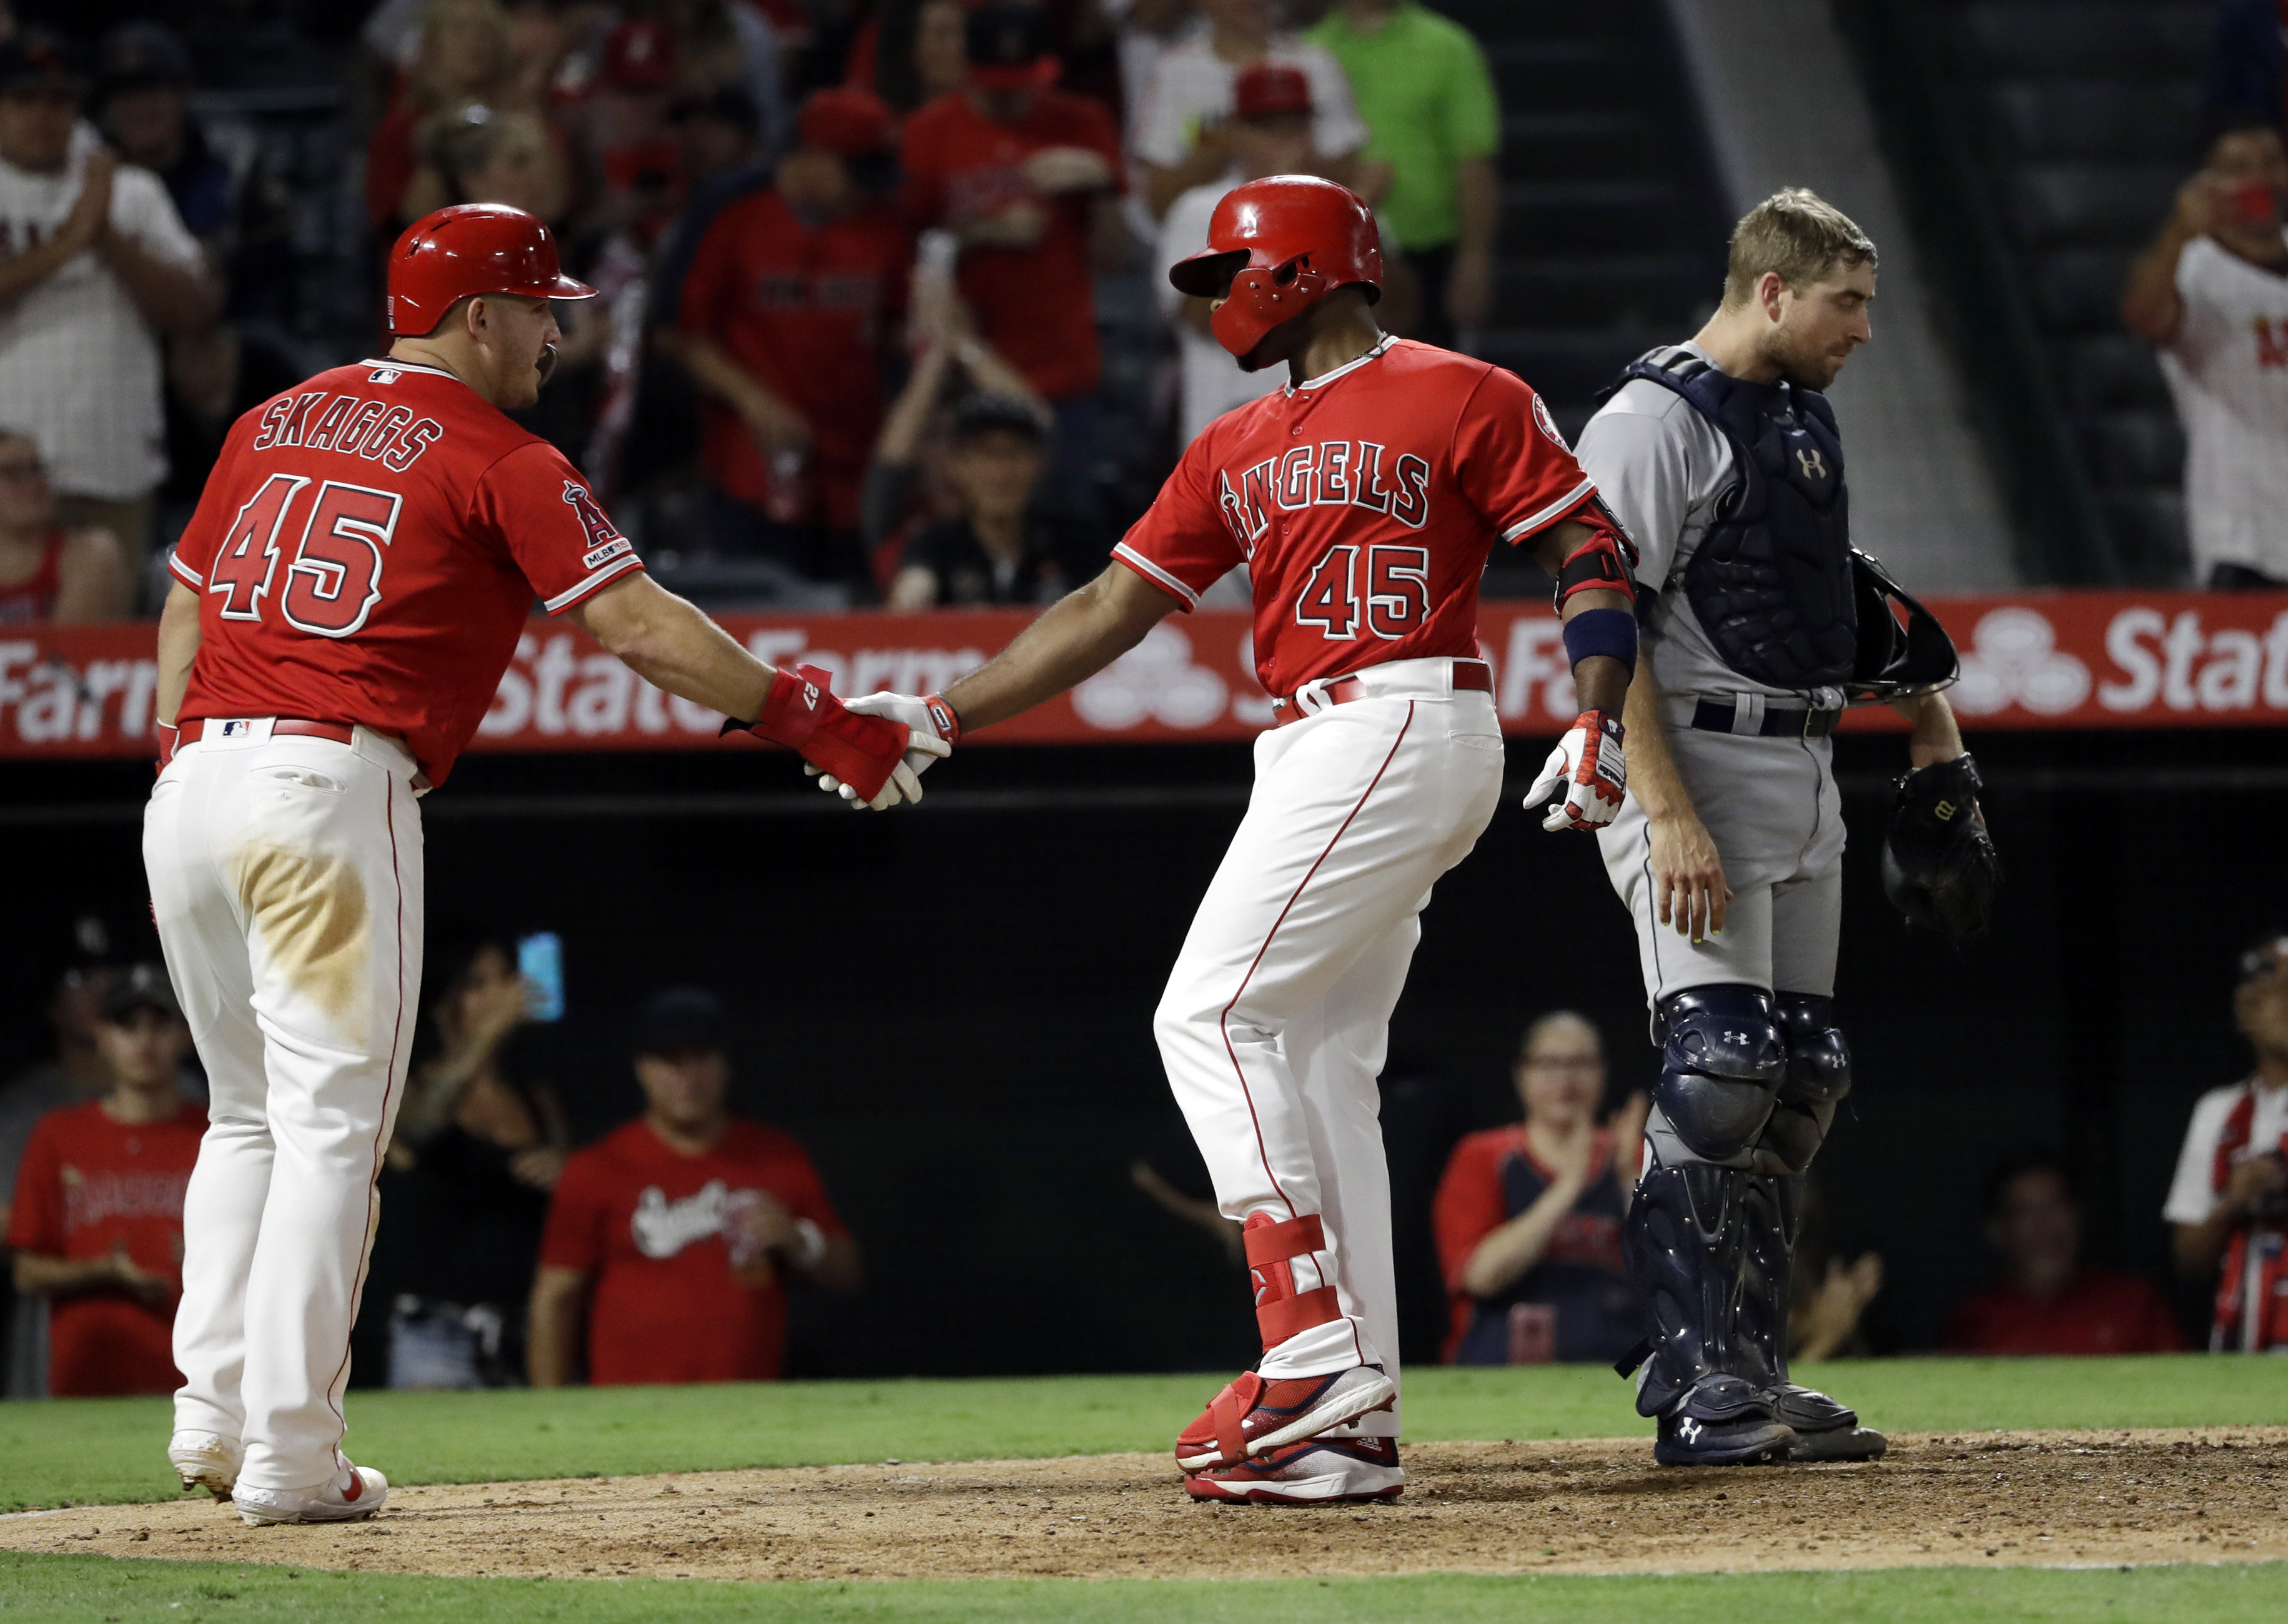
(1721, 1422)
(1317, 1471)
(1824, 1430)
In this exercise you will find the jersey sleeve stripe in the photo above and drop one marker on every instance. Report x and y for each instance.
(1555, 511)
(1158, 577)
(563, 600)
(183, 571)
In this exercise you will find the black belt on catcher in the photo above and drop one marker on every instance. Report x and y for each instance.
(1762, 721)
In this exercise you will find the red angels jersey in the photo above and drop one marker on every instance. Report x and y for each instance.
(1364, 503)
(367, 550)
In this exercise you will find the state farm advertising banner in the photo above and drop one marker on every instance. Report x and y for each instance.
(2098, 660)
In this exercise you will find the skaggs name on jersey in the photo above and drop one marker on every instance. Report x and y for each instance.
(1331, 473)
(375, 430)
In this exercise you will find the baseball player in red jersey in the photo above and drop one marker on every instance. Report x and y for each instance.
(347, 597)
(1363, 499)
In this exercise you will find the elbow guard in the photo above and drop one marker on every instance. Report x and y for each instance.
(1604, 562)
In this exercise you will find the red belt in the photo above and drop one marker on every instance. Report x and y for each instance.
(341, 733)
(1470, 676)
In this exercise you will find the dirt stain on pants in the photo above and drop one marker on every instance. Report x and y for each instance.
(309, 910)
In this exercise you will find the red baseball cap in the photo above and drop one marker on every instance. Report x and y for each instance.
(637, 55)
(850, 123)
(1266, 89)
(1009, 48)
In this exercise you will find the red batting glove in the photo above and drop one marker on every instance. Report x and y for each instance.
(1588, 770)
(801, 712)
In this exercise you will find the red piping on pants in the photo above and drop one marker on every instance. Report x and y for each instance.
(1223, 1022)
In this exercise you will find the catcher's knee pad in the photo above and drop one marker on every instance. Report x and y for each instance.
(1723, 1063)
(1818, 1076)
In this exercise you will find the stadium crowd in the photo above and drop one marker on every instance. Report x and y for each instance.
(821, 227)
(849, 252)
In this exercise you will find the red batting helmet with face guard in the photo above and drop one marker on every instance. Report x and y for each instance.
(472, 248)
(1276, 246)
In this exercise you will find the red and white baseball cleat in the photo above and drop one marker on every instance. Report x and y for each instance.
(356, 1492)
(1253, 1415)
(1316, 1471)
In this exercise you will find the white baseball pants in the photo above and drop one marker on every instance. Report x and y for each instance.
(1276, 1018)
(286, 881)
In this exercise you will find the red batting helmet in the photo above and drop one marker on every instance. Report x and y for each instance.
(1276, 247)
(472, 248)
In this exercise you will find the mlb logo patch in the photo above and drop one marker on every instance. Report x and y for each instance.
(237, 729)
(384, 375)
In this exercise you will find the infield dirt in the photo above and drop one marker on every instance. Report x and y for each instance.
(1585, 1507)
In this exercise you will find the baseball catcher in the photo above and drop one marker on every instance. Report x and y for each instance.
(1723, 459)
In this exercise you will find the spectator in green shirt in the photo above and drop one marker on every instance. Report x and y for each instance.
(1423, 87)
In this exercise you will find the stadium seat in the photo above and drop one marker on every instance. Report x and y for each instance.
(2135, 448)
(2077, 290)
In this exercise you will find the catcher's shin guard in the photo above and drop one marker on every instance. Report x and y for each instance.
(1684, 1241)
(1771, 1218)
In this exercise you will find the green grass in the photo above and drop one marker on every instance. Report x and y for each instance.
(135, 1591)
(103, 1451)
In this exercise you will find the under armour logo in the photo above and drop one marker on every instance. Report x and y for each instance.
(1813, 465)
(1690, 1429)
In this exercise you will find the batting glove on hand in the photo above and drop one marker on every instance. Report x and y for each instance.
(1583, 779)
(931, 728)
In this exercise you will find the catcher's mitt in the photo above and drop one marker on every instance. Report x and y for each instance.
(1939, 864)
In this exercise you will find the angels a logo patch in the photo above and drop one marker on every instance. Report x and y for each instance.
(1547, 424)
(604, 538)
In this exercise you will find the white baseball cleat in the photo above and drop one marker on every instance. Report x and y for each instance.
(357, 1492)
(205, 1460)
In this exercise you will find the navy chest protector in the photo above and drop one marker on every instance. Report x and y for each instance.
(1772, 581)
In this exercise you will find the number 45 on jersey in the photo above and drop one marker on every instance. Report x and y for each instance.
(333, 578)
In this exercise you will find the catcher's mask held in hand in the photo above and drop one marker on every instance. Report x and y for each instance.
(1940, 867)
(1276, 246)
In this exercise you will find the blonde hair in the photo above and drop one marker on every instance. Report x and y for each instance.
(1796, 233)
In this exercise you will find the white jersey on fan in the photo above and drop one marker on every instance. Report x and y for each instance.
(2228, 370)
(1193, 89)
(79, 368)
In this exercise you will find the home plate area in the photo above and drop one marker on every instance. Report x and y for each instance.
(1594, 1506)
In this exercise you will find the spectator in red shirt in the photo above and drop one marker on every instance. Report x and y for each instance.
(783, 322)
(1018, 170)
(98, 1222)
(1529, 1216)
(677, 1231)
(2046, 1303)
